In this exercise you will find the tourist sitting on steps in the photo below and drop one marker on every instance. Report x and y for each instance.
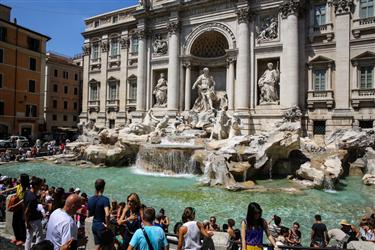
(275, 227)
(189, 235)
(295, 235)
(253, 227)
(213, 225)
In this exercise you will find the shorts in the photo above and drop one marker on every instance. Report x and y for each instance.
(102, 236)
(253, 248)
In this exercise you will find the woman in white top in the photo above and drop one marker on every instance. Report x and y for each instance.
(189, 235)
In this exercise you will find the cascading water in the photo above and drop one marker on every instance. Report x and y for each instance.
(328, 185)
(167, 159)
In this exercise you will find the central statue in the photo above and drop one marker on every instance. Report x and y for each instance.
(206, 92)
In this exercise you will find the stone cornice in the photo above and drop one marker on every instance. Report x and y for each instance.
(290, 7)
(342, 6)
(243, 15)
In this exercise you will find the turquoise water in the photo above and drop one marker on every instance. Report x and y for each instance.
(175, 193)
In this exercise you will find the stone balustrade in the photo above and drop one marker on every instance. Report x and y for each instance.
(320, 98)
(363, 25)
(325, 30)
(363, 96)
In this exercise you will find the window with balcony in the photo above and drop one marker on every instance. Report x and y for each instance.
(3, 34)
(93, 92)
(32, 86)
(366, 77)
(115, 47)
(30, 111)
(112, 91)
(320, 79)
(95, 51)
(132, 96)
(366, 8)
(319, 15)
(134, 45)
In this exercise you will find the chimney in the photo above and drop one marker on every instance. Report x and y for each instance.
(5, 12)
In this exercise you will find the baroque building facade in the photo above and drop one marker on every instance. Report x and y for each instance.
(264, 56)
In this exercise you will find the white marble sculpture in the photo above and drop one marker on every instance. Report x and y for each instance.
(206, 92)
(160, 46)
(268, 85)
(235, 126)
(268, 30)
(160, 92)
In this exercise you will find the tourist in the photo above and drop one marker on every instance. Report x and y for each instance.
(189, 234)
(253, 227)
(99, 208)
(282, 239)
(157, 221)
(176, 227)
(58, 199)
(61, 228)
(295, 235)
(164, 220)
(131, 217)
(275, 227)
(121, 207)
(350, 230)
(43, 245)
(149, 237)
(77, 191)
(339, 236)
(319, 232)
(18, 222)
(113, 210)
(234, 235)
(33, 215)
(369, 234)
(213, 225)
(81, 216)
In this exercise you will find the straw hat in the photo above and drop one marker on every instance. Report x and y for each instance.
(345, 223)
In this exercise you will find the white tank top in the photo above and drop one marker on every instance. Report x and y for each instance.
(192, 240)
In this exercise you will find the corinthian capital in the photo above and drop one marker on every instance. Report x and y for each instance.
(290, 7)
(243, 15)
(173, 27)
(342, 6)
(141, 33)
(86, 49)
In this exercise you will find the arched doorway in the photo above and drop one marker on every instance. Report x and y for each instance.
(211, 44)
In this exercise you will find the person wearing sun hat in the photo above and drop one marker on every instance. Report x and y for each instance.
(349, 229)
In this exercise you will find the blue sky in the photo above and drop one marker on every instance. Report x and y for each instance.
(62, 20)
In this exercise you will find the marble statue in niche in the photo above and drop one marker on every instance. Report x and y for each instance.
(268, 29)
(206, 92)
(268, 83)
(160, 46)
(160, 92)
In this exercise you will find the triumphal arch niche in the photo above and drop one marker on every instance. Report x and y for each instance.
(211, 45)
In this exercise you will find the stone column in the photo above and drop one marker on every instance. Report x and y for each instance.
(85, 74)
(230, 82)
(310, 76)
(187, 86)
(102, 116)
(355, 76)
(124, 45)
(173, 67)
(289, 88)
(329, 77)
(242, 88)
(342, 10)
(141, 71)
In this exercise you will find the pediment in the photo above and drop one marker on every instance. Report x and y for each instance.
(320, 59)
(368, 55)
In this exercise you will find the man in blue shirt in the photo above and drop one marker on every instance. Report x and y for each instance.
(155, 234)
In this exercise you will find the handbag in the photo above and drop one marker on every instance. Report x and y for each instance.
(147, 239)
(13, 201)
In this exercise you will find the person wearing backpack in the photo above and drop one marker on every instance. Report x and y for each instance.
(149, 237)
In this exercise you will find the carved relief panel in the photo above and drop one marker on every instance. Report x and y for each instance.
(267, 28)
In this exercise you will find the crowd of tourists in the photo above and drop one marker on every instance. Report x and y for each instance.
(47, 217)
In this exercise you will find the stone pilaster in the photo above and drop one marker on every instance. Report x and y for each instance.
(230, 82)
(187, 86)
(101, 121)
(141, 71)
(242, 88)
(124, 52)
(85, 75)
(174, 66)
(289, 91)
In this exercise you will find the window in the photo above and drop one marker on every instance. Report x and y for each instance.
(54, 104)
(132, 90)
(366, 77)
(96, 24)
(32, 86)
(115, 19)
(111, 123)
(65, 118)
(56, 73)
(32, 64)
(93, 92)
(366, 124)
(55, 88)
(75, 106)
(95, 51)
(1, 108)
(76, 77)
(112, 91)
(74, 118)
(65, 89)
(319, 128)
(366, 8)
(114, 46)
(33, 44)
(65, 75)
(65, 105)
(3, 34)
(319, 15)
(30, 110)
(75, 91)
(1, 81)
(1, 55)
(134, 47)
(54, 117)
(319, 79)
